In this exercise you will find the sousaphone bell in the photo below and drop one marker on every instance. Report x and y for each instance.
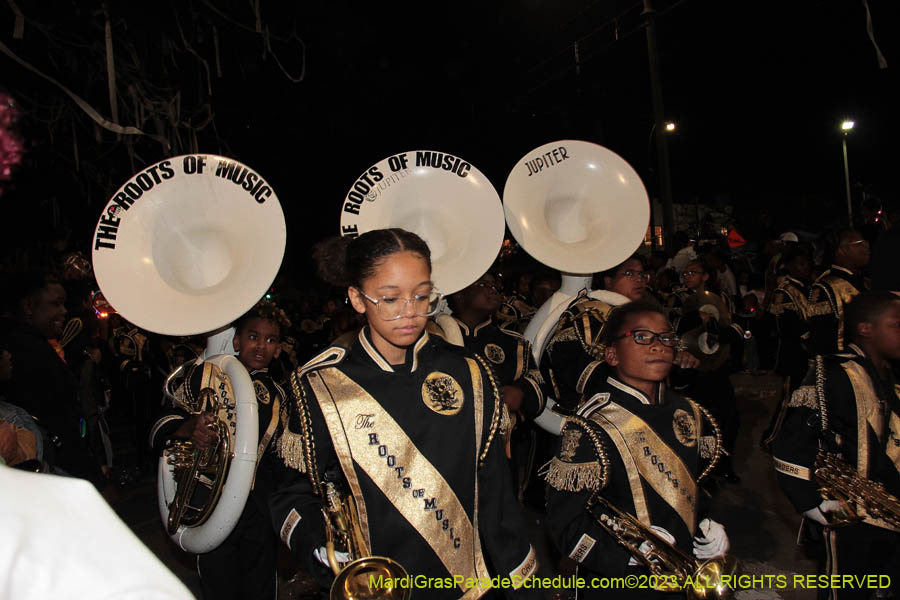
(184, 247)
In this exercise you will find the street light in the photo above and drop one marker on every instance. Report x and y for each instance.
(846, 128)
(668, 128)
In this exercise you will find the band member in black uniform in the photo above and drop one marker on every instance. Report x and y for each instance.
(575, 350)
(509, 354)
(833, 290)
(848, 405)
(712, 386)
(789, 308)
(407, 426)
(243, 566)
(641, 447)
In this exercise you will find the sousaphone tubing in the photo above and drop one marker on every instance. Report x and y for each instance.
(185, 247)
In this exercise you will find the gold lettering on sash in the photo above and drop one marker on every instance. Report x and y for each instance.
(657, 464)
(405, 476)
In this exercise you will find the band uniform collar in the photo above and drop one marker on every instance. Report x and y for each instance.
(373, 353)
(473, 332)
(844, 269)
(794, 280)
(634, 392)
(382, 362)
(856, 350)
(255, 371)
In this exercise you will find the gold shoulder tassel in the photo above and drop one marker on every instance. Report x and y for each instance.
(572, 477)
(290, 449)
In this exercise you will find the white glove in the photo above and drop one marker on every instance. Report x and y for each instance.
(817, 514)
(713, 543)
(321, 554)
(646, 547)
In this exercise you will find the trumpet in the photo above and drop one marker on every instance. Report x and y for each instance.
(700, 579)
(839, 481)
(353, 580)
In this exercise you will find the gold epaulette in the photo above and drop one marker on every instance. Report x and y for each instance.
(566, 476)
(290, 449)
(817, 309)
(805, 395)
(572, 477)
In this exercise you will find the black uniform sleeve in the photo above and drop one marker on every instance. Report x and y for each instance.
(823, 323)
(500, 521)
(296, 508)
(576, 533)
(797, 444)
(569, 368)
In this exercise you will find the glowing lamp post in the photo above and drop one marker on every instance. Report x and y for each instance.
(846, 128)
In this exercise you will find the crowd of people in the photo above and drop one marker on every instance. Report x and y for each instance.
(422, 412)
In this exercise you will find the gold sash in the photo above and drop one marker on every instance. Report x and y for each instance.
(647, 457)
(869, 413)
(365, 435)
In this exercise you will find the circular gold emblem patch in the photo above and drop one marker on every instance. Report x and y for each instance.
(442, 394)
(495, 354)
(262, 392)
(685, 428)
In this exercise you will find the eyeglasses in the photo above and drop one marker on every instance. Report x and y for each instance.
(645, 337)
(391, 308)
(691, 273)
(865, 243)
(629, 274)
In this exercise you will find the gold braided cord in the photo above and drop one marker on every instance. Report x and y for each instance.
(717, 453)
(309, 446)
(495, 418)
(820, 392)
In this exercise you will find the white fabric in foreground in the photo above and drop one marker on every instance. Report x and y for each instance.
(61, 540)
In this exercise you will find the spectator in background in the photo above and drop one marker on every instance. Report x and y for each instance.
(684, 253)
(43, 384)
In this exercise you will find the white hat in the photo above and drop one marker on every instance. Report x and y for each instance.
(789, 236)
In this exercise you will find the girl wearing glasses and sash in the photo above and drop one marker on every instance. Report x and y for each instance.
(407, 426)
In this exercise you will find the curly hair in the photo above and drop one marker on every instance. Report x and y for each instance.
(264, 309)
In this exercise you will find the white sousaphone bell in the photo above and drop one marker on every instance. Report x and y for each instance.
(442, 198)
(185, 247)
(580, 208)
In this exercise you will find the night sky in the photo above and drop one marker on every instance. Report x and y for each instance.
(757, 90)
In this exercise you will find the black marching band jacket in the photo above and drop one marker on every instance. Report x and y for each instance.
(272, 413)
(863, 418)
(509, 355)
(418, 447)
(653, 455)
(574, 352)
(790, 307)
(827, 298)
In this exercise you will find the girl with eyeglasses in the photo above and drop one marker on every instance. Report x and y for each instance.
(408, 427)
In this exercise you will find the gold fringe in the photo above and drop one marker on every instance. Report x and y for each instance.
(707, 446)
(572, 477)
(290, 449)
(805, 395)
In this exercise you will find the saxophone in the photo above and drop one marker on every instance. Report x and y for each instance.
(699, 579)
(859, 496)
(352, 581)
